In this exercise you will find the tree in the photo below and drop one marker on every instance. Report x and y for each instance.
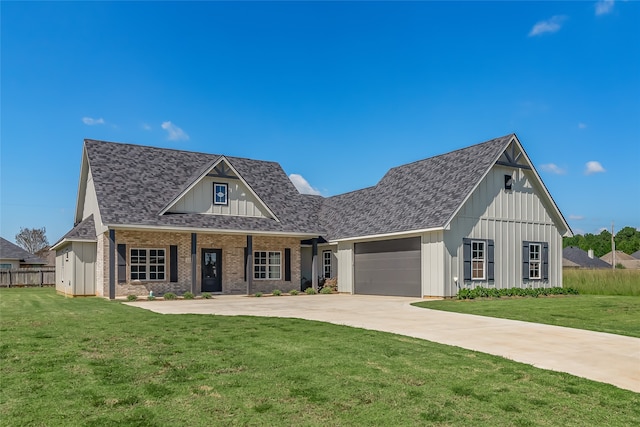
(32, 239)
(627, 240)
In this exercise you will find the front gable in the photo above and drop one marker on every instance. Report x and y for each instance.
(220, 190)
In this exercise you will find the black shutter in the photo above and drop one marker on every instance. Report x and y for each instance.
(490, 257)
(122, 263)
(173, 263)
(287, 264)
(525, 260)
(466, 257)
(545, 261)
(246, 252)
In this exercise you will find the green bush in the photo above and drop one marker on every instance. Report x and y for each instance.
(188, 295)
(151, 297)
(294, 292)
(276, 292)
(258, 294)
(169, 296)
(206, 295)
(132, 297)
(326, 290)
(310, 291)
(481, 292)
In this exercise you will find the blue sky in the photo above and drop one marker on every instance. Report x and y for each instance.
(337, 93)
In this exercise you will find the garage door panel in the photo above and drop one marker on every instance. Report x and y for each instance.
(388, 267)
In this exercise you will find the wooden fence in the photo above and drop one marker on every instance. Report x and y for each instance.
(45, 276)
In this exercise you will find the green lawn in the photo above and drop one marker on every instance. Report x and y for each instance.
(604, 313)
(91, 362)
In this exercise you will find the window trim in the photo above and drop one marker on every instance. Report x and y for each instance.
(325, 265)
(226, 194)
(267, 265)
(483, 260)
(148, 265)
(535, 262)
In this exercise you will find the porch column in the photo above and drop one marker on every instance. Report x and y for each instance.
(194, 263)
(314, 263)
(249, 264)
(112, 264)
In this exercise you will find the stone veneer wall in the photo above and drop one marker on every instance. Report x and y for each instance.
(232, 262)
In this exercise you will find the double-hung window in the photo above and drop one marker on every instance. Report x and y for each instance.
(148, 264)
(326, 264)
(267, 265)
(220, 192)
(478, 258)
(535, 250)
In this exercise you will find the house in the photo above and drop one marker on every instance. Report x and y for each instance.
(626, 260)
(153, 219)
(13, 256)
(574, 257)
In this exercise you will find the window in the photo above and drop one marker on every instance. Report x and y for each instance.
(534, 261)
(508, 182)
(477, 260)
(326, 264)
(267, 265)
(5, 266)
(147, 264)
(220, 194)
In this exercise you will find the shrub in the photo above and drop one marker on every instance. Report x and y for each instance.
(151, 297)
(276, 292)
(257, 294)
(132, 297)
(481, 292)
(294, 292)
(188, 295)
(331, 283)
(326, 290)
(206, 295)
(169, 296)
(310, 291)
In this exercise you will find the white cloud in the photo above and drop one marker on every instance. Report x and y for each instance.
(146, 126)
(175, 133)
(91, 121)
(593, 167)
(582, 125)
(576, 217)
(302, 185)
(604, 6)
(551, 25)
(553, 168)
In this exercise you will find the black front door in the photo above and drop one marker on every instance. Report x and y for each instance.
(212, 270)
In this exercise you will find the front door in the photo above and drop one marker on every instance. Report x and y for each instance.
(212, 270)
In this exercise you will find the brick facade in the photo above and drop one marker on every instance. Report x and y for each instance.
(233, 262)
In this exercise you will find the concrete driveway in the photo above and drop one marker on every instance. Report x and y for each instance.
(608, 358)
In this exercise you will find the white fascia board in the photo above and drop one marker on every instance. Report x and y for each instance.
(63, 242)
(410, 233)
(208, 230)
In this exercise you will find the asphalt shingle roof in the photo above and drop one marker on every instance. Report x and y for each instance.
(134, 183)
(580, 257)
(10, 250)
(85, 230)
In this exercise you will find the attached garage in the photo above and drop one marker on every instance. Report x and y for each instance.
(388, 267)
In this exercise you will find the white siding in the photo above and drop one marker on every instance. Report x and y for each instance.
(84, 272)
(433, 277)
(241, 201)
(90, 203)
(508, 218)
(344, 256)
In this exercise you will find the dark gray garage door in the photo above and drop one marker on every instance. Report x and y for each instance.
(388, 267)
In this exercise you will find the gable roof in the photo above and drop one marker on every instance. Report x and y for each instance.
(135, 183)
(12, 251)
(582, 259)
(636, 254)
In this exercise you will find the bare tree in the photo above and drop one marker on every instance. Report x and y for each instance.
(32, 239)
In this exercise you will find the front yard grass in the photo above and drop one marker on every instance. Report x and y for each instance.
(603, 313)
(91, 362)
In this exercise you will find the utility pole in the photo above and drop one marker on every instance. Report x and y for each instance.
(613, 249)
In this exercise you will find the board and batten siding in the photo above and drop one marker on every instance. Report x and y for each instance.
(90, 204)
(509, 217)
(76, 269)
(344, 255)
(433, 270)
(241, 202)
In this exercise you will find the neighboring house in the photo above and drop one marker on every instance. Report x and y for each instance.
(152, 219)
(13, 256)
(574, 257)
(636, 254)
(626, 260)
